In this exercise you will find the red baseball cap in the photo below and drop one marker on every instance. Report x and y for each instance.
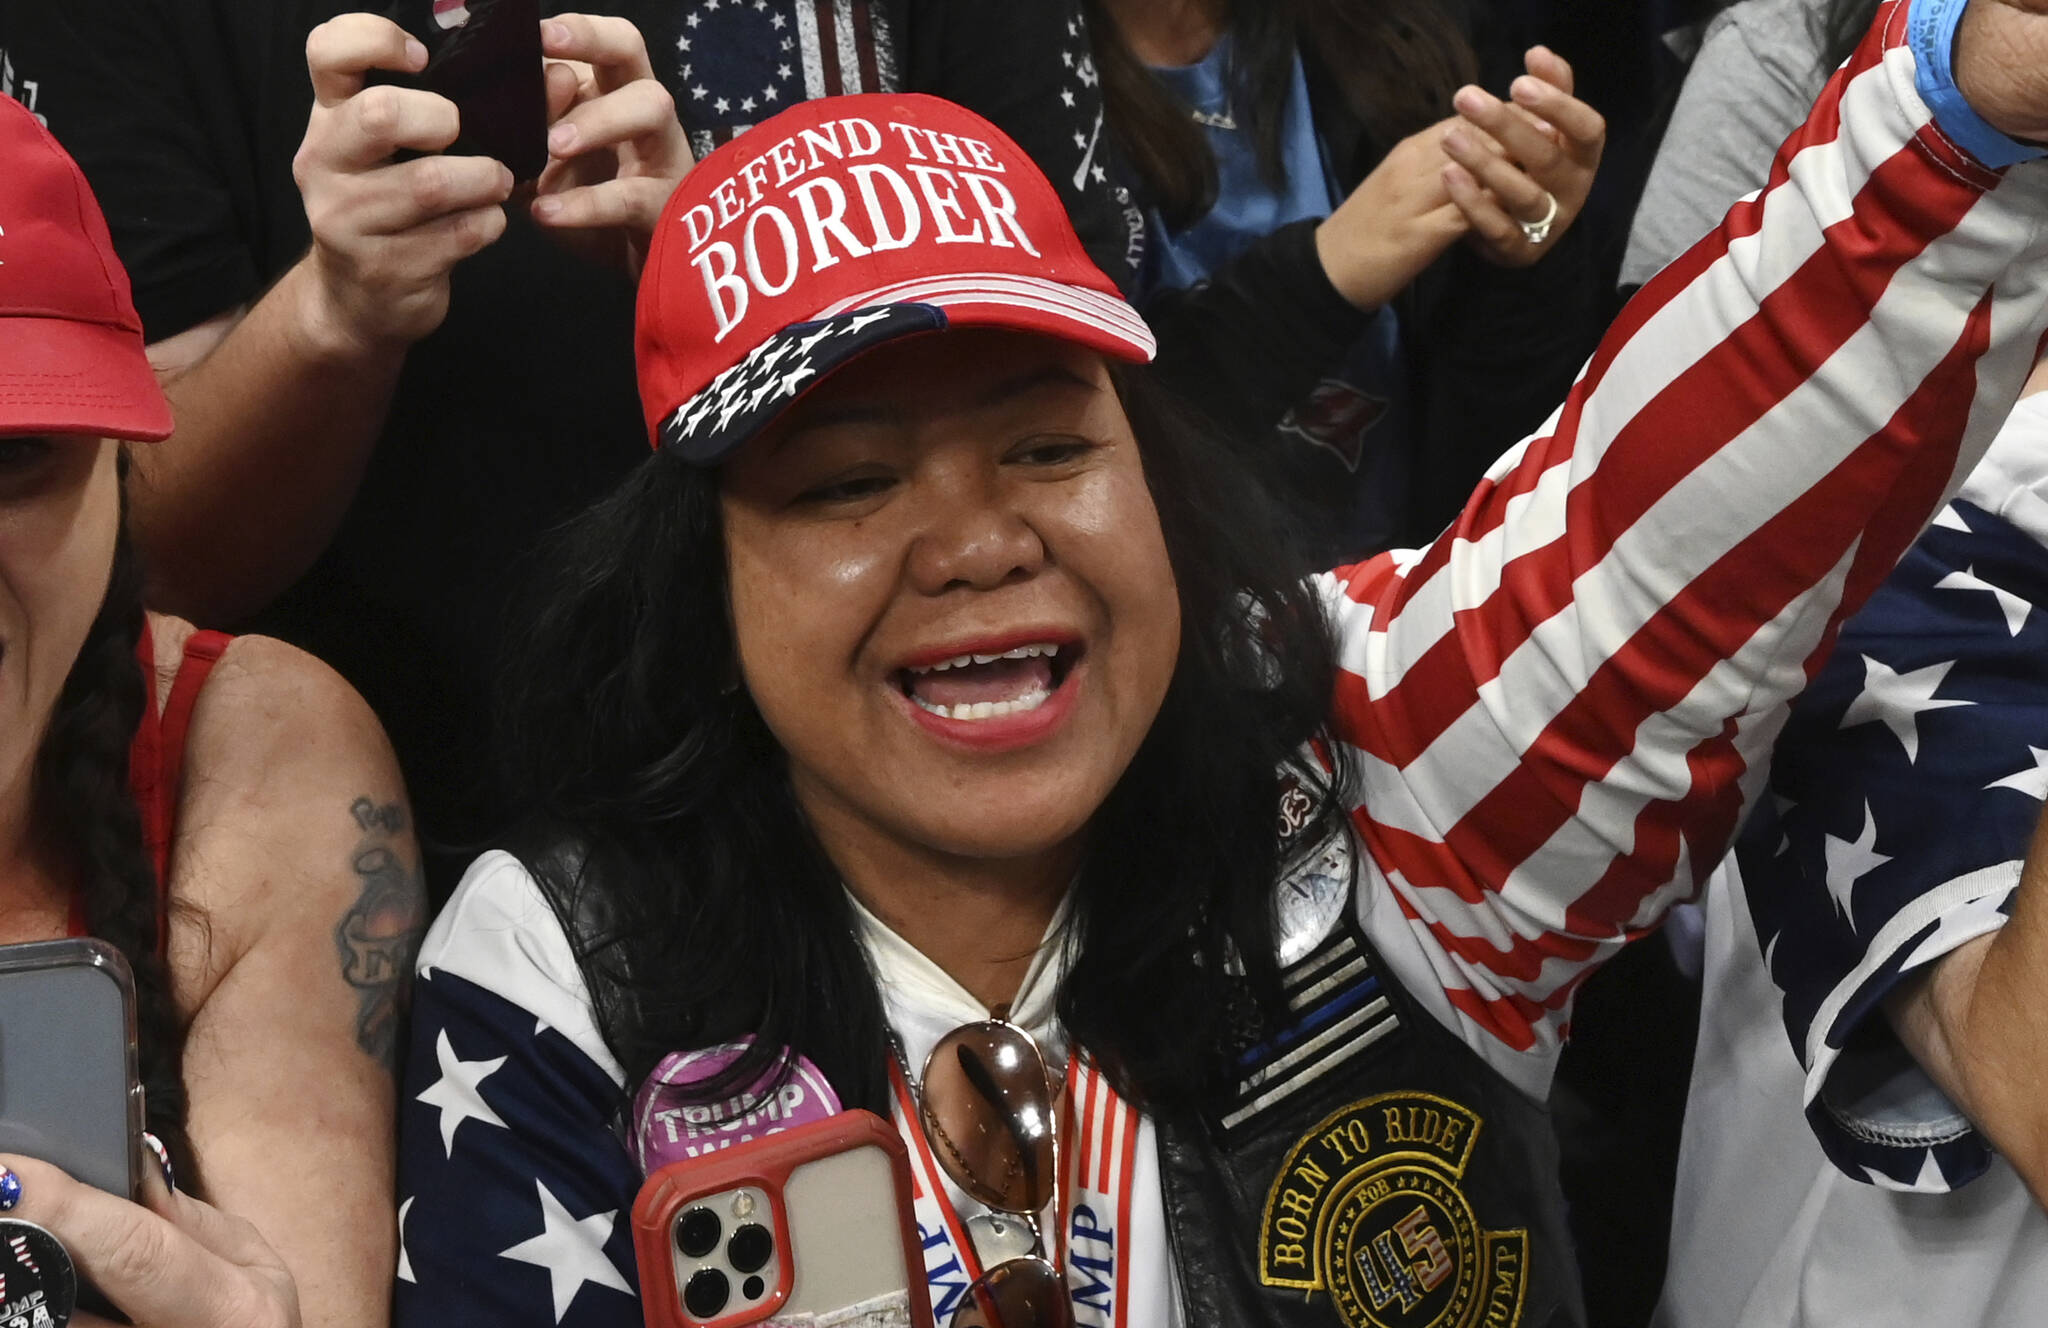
(839, 224)
(71, 358)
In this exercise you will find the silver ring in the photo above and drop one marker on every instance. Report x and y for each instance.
(1536, 232)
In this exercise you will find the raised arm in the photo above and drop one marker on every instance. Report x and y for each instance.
(297, 869)
(1559, 708)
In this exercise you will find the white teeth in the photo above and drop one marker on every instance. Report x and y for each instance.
(1031, 700)
(1045, 651)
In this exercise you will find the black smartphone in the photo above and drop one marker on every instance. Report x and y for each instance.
(69, 1091)
(484, 55)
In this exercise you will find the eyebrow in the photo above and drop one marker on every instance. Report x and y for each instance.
(1057, 376)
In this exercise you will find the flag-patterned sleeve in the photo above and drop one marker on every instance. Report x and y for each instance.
(1903, 796)
(515, 1194)
(1558, 709)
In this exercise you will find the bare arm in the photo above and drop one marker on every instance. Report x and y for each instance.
(298, 861)
(1978, 1019)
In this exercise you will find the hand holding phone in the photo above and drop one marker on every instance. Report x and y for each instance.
(489, 64)
(69, 1091)
(812, 1220)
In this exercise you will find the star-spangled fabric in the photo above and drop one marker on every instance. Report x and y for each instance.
(1555, 715)
(515, 1190)
(1904, 794)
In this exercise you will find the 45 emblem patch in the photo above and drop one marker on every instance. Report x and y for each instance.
(1368, 1207)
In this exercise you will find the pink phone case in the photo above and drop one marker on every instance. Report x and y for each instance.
(835, 1194)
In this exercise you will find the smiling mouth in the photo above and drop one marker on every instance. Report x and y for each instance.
(974, 686)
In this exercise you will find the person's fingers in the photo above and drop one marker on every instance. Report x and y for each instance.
(1584, 129)
(565, 82)
(1484, 215)
(1523, 140)
(382, 120)
(641, 109)
(414, 192)
(1551, 67)
(341, 50)
(156, 1273)
(632, 203)
(445, 241)
(1515, 192)
(612, 47)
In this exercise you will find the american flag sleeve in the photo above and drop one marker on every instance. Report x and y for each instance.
(1903, 798)
(515, 1190)
(1558, 710)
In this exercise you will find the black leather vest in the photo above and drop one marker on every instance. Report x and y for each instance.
(1373, 1172)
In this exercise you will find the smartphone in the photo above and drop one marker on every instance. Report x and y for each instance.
(70, 1094)
(484, 55)
(816, 1219)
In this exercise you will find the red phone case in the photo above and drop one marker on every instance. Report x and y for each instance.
(766, 1162)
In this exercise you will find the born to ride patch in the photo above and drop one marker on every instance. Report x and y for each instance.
(1368, 1207)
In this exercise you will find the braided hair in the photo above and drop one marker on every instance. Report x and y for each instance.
(82, 792)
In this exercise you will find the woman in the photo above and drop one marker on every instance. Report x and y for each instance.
(931, 669)
(1275, 143)
(225, 812)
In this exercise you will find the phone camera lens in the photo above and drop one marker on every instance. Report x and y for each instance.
(697, 1234)
(752, 1288)
(750, 1247)
(707, 1293)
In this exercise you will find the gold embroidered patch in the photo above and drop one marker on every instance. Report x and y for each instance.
(1367, 1207)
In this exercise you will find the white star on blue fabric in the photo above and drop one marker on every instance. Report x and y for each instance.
(571, 1249)
(2015, 609)
(1897, 700)
(404, 1259)
(2033, 783)
(455, 1092)
(1849, 861)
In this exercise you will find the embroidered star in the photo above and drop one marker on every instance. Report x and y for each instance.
(1086, 69)
(1897, 700)
(455, 1093)
(1067, 96)
(747, 103)
(760, 5)
(2033, 783)
(710, 6)
(868, 319)
(1849, 861)
(404, 1259)
(683, 43)
(796, 376)
(1068, 58)
(572, 1251)
(693, 20)
(768, 94)
(700, 94)
(689, 71)
(2015, 609)
(788, 43)
(778, 21)
(783, 71)
(1099, 174)
(721, 106)
(1080, 139)
(825, 333)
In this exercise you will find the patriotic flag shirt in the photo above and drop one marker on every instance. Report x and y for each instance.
(1904, 794)
(1555, 713)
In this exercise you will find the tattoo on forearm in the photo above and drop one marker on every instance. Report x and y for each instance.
(379, 935)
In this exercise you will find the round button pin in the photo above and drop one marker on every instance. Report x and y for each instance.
(38, 1285)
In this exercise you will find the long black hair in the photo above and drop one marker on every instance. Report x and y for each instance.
(1396, 63)
(660, 822)
(82, 792)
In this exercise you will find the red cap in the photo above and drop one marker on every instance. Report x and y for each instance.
(71, 358)
(839, 224)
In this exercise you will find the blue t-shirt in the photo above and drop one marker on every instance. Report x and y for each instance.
(1358, 412)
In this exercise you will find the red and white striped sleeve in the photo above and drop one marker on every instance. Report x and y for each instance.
(1558, 710)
